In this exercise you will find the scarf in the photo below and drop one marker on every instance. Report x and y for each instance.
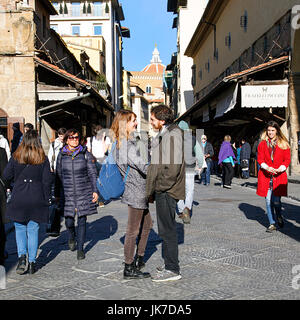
(72, 152)
(272, 146)
(226, 151)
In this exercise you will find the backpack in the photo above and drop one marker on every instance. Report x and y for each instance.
(110, 183)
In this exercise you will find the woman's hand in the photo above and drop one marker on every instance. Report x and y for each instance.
(95, 197)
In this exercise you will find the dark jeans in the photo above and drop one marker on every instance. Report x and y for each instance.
(227, 174)
(205, 175)
(98, 167)
(165, 211)
(81, 226)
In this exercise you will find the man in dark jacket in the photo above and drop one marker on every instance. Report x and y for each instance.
(245, 158)
(166, 182)
(16, 137)
(208, 151)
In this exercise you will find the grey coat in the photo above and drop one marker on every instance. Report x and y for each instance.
(130, 154)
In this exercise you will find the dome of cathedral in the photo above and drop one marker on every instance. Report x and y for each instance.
(155, 65)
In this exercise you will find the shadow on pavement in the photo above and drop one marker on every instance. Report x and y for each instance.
(154, 240)
(290, 212)
(96, 231)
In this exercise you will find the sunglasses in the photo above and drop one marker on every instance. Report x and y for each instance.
(73, 137)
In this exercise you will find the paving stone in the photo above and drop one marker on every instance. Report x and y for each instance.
(224, 254)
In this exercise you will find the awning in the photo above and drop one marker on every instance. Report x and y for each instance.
(227, 101)
(272, 96)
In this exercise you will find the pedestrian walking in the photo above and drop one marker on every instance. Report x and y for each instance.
(29, 170)
(194, 157)
(208, 151)
(57, 208)
(226, 158)
(27, 127)
(274, 157)
(245, 158)
(3, 219)
(78, 175)
(128, 153)
(238, 160)
(166, 183)
(16, 137)
(98, 145)
(4, 144)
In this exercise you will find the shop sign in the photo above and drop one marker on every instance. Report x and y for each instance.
(274, 96)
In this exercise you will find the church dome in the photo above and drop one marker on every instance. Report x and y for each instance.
(155, 65)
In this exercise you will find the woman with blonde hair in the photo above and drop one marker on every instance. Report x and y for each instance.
(29, 171)
(274, 157)
(127, 152)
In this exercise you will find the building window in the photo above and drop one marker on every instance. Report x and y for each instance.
(200, 75)
(54, 27)
(76, 30)
(207, 66)
(98, 9)
(148, 89)
(228, 41)
(97, 30)
(75, 9)
(244, 21)
(193, 75)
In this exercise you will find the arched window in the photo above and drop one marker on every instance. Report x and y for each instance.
(148, 89)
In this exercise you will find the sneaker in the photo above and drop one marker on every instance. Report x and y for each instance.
(271, 228)
(280, 221)
(227, 187)
(166, 275)
(160, 268)
(186, 217)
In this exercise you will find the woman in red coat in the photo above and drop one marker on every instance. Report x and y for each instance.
(274, 157)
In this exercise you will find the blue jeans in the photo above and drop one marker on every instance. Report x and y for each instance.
(27, 238)
(205, 175)
(273, 203)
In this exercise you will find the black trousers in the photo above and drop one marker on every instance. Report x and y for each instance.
(165, 211)
(70, 225)
(228, 173)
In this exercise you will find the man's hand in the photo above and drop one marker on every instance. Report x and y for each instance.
(95, 197)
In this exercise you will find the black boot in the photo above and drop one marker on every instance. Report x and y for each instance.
(80, 255)
(72, 244)
(131, 272)
(31, 268)
(139, 262)
(21, 267)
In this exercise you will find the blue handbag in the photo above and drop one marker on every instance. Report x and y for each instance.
(110, 182)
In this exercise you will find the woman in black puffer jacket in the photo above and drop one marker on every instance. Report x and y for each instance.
(78, 175)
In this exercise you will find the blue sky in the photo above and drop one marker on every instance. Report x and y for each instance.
(149, 23)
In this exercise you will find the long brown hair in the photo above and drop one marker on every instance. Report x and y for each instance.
(30, 151)
(118, 129)
(282, 141)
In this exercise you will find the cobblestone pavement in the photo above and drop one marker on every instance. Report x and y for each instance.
(224, 254)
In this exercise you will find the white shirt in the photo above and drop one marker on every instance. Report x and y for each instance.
(98, 146)
(57, 146)
(4, 144)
